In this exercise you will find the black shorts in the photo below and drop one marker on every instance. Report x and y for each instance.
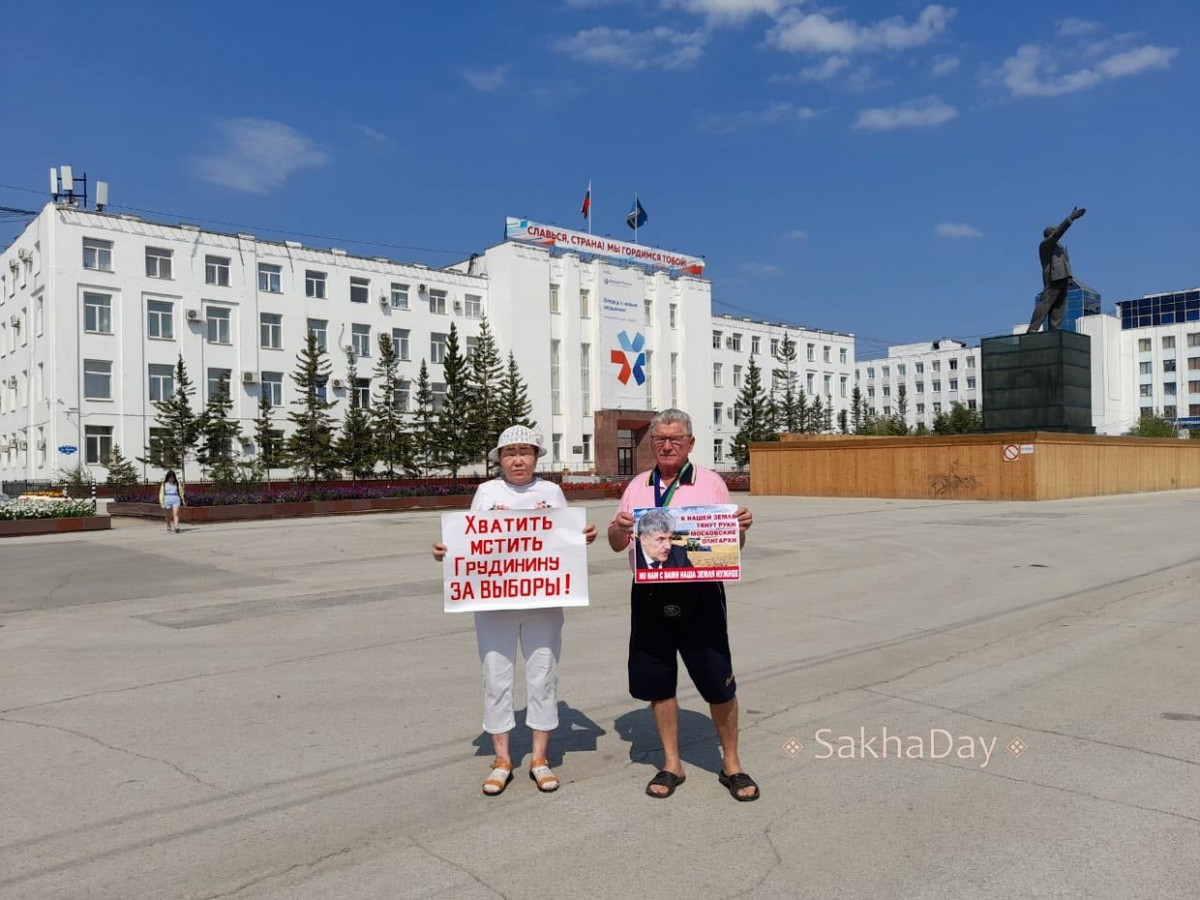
(684, 619)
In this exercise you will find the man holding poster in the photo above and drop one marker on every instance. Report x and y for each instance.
(687, 618)
(525, 611)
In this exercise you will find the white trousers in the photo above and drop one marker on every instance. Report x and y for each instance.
(539, 632)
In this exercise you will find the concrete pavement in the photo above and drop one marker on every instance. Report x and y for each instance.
(281, 709)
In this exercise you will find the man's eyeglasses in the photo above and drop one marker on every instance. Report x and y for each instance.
(673, 441)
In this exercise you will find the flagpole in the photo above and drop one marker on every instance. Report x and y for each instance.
(635, 217)
(589, 194)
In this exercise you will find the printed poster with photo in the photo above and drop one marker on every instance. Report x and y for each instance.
(686, 543)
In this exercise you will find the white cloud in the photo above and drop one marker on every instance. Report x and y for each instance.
(663, 47)
(944, 65)
(816, 32)
(825, 69)
(375, 136)
(1034, 70)
(956, 230)
(798, 234)
(924, 112)
(775, 114)
(731, 10)
(486, 79)
(258, 155)
(1075, 27)
(760, 268)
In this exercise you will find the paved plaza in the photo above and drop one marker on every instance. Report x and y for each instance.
(939, 700)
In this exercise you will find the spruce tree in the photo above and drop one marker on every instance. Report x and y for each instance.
(217, 435)
(392, 443)
(857, 412)
(269, 440)
(454, 415)
(514, 397)
(179, 423)
(426, 443)
(310, 447)
(816, 416)
(756, 413)
(355, 445)
(121, 470)
(484, 376)
(790, 417)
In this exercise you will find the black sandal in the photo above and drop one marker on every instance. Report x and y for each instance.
(666, 779)
(736, 782)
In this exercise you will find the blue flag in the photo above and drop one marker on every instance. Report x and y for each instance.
(637, 216)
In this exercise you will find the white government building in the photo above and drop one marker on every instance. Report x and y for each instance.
(95, 309)
(935, 375)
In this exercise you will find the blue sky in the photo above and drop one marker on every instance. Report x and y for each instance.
(883, 168)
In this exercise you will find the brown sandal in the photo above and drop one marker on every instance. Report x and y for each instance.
(547, 781)
(498, 778)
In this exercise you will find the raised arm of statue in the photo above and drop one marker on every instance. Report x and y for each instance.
(1053, 233)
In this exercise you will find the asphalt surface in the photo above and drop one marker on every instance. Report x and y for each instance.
(263, 710)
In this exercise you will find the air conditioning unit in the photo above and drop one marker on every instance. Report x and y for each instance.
(337, 384)
(458, 306)
(12, 381)
(41, 444)
(421, 288)
(384, 300)
(26, 255)
(193, 315)
(249, 377)
(15, 321)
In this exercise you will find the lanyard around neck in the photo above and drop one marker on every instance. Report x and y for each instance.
(661, 497)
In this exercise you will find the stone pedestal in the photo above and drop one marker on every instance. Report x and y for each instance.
(1037, 382)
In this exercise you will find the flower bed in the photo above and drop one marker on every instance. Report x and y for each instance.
(49, 516)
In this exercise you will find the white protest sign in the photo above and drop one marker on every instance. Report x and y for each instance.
(514, 559)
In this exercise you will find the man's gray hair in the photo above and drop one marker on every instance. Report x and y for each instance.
(655, 520)
(672, 417)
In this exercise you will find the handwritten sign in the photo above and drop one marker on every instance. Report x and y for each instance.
(686, 543)
(514, 559)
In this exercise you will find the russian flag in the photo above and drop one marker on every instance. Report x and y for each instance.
(586, 209)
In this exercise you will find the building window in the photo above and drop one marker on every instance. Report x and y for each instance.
(648, 306)
(360, 396)
(1169, 365)
(1145, 367)
(844, 355)
(399, 295)
(585, 303)
(473, 306)
(755, 344)
(555, 378)
(675, 380)
(97, 379)
(216, 270)
(954, 384)
(1168, 342)
(735, 342)
(98, 443)
(718, 450)
(160, 319)
(469, 346)
(953, 365)
(774, 347)
(1194, 409)
(585, 378)
(314, 284)
(270, 327)
(401, 395)
(737, 416)
(1143, 345)
(718, 409)
(162, 382)
(970, 362)
(937, 409)
(887, 390)
(825, 351)
(737, 376)
(97, 313)
(97, 255)
(1170, 412)
(937, 386)
(920, 367)
(810, 384)
(1194, 363)
(438, 391)
(937, 365)
(1169, 389)
(360, 290)
(812, 352)
(870, 391)
(360, 340)
(587, 448)
(268, 278)
(320, 329)
(970, 382)
(1146, 390)
(218, 382)
(437, 347)
(556, 447)
(1193, 339)
(218, 324)
(649, 379)
(554, 307)
(843, 385)
(920, 409)
(718, 378)
(716, 340)
(272, 387)
(673, 315)
(437, 302)
(870, 373)
(400, 343)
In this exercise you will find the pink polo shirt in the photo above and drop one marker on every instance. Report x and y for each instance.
(700, 487)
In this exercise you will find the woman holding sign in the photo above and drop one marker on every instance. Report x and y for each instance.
(537, 631)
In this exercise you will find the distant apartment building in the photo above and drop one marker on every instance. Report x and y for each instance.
(934, 375)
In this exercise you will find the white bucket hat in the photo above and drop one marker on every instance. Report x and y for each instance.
(517, 434)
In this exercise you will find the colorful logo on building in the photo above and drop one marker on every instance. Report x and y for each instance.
(630, 350)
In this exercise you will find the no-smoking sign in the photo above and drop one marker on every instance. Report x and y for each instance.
(1011, 452)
